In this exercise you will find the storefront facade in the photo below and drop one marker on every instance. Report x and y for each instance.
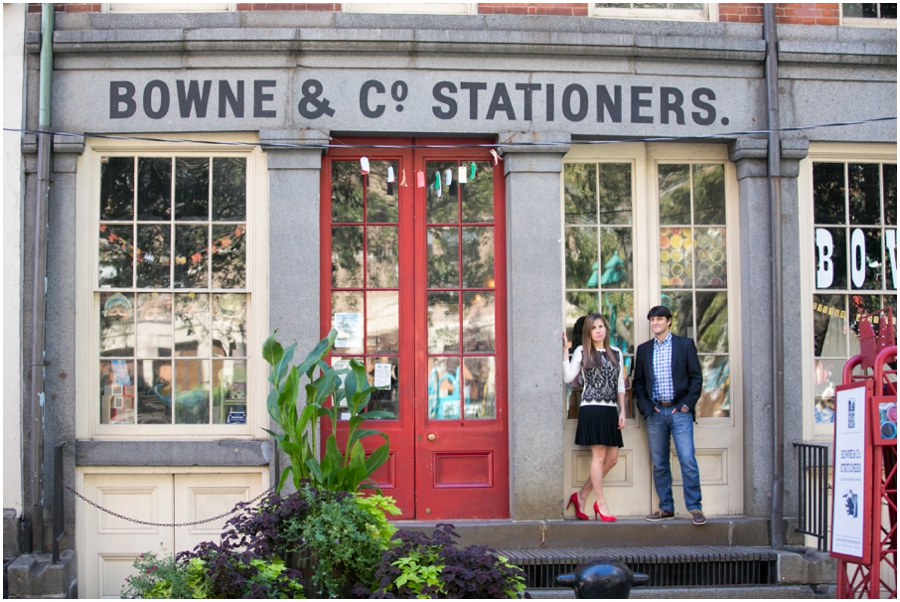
(519, 172)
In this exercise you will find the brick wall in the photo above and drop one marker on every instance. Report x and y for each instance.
(568, 9)
(788, 13)
(35, 7)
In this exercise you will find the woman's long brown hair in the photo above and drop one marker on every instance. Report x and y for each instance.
(589, 356)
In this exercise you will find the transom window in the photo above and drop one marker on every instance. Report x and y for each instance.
(682, 11)
(171, 290)
(855, 247)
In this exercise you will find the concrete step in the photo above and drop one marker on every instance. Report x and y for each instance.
(718, 531)
(36, 576)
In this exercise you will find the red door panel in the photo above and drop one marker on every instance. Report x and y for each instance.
(416, 279)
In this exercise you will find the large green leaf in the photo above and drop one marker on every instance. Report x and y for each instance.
(356, 467)
(283, 478)
(324, 387)
(272, 350)
(377, 458)
(284, 362)
(319, 351)
(362, 434)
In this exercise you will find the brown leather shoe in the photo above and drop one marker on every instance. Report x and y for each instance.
(697, 517)
(660, 515)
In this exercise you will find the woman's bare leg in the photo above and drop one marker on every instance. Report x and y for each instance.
(598, 463)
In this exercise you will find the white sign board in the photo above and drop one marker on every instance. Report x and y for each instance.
(850, 495)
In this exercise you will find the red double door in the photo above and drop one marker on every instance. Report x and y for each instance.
(413, 278)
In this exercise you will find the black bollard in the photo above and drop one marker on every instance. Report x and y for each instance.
(604, 578)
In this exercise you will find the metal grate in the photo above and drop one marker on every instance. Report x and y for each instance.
(813, 489)
(666, 566)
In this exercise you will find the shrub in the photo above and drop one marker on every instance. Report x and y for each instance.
(423, 567)
(233, 574)
(166, 578)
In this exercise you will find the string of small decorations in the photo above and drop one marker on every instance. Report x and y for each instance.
(464, 174)
(219, 244)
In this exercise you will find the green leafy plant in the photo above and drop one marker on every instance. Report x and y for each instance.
(379, 506)
(421, 576)
(167, 578)
(345, 537)
(348, 470)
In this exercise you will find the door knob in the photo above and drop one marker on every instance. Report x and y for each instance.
(431, 437)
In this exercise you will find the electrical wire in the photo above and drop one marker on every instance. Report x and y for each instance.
(495, 145)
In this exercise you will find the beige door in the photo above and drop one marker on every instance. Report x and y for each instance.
(649, 224)
(110, 544)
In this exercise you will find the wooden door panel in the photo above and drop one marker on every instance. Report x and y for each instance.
(113, 543)
(202, 496)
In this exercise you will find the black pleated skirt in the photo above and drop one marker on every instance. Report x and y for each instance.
(598, 425)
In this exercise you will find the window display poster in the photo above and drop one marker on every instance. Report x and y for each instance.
(850, 493)
(349, 327)
(382, 376)
(120, 371)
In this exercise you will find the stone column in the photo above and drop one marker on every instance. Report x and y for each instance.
(534, 317)
(294, 242)
(749, 156)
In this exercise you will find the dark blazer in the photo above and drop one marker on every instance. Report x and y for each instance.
(686, 374)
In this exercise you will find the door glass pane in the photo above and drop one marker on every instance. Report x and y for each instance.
(479, 393)
(712, 322)
(478, 257)
(619, 310)
(115, 256)
(117, 392)
(890, 194)
(579, 303)
(347, 256)
(153, 259)
(343, 365)
(228, 255)
(442, 205)
(615, 253)
(580, 193)
(674, 194)
(711, 264)
(229, 325)
(229, 392)
(615, 193)
(154, 392)
(192, 325)
(678, 260)
(192, 389)
(347, 318)
(477, 193)
(829, 374)
(116, 324)
(117, 188)
(715, 400)
(443, 322)
(154, 325)
(443, 257)
(387, 396)
(154, 193)
(681, 305)
(382, 322)
(709, 194)
(381, 196)
(383, 266)
(346, 192)
(192, 189)
(830, 326)
(582, 260)
(444, 388)
(478, 322)
(229, 189)
(191, 244)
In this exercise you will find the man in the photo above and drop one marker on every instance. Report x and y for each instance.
(667, 385)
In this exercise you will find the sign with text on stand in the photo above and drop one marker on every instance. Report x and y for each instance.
(851, 522)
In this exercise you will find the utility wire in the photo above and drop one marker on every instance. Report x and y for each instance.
(339, 145)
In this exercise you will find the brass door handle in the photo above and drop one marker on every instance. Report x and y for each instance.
(431, 436)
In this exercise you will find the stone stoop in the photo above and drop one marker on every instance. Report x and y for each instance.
(35, 576)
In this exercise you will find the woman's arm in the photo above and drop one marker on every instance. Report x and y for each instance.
(572, 368)
(621, 395)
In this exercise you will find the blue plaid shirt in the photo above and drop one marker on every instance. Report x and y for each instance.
(663, 387)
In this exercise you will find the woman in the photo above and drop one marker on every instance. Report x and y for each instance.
(601, 415)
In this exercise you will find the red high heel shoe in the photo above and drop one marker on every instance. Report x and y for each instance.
(603, 517)
(574, 500)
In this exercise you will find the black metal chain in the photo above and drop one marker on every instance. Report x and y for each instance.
(143, 522)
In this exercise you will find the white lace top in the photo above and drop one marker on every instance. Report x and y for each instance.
(602, 384)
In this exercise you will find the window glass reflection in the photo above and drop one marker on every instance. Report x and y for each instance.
(192, 391)
(117, 392)
(444, 388)
(154, 325)
(386, 398)
(117, 188)
(614, 193)
(443, 322)
(580, 193)
(116, 324)
(478, 322)
(478, 388)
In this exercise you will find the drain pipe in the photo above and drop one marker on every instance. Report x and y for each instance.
(776, 528)
(41, 225)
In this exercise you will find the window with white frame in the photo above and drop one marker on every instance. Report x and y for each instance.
(662, 11)
(167, 7)
(171, 291)
(854, 245)
(875, 14)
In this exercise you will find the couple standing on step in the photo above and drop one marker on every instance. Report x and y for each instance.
(667, 384)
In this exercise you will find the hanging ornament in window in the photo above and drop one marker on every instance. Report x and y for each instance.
(390, 180)
(448, 177)
(461, 178)
(437, 183)
(420, 179)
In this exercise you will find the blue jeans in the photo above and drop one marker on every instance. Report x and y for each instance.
(681, 427)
